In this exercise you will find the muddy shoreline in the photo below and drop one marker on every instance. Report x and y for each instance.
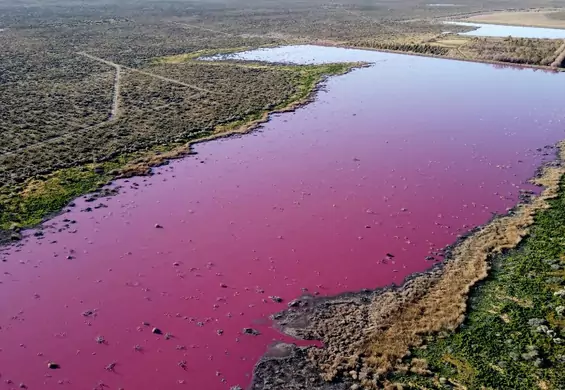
(348, 324)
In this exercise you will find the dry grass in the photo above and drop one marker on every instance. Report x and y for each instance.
(451, 42)
(536, 18)
(444, 304)
(522, 51)
(559, 57)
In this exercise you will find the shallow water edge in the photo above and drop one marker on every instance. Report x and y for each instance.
(367, 334)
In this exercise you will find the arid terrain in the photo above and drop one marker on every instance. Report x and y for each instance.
(535, 18)
(95, 91)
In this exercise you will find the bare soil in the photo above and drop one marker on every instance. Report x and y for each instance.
(534, 18)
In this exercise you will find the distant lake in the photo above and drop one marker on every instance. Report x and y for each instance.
(496, 30)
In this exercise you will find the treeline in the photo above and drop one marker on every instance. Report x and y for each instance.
(405, 47)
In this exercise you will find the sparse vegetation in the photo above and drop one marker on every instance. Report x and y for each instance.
(514, 50)
(407, 47)
(158, 119)
(521, 51)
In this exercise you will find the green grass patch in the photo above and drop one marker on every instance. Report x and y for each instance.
(308, 75)
(311, 75)
(514, 335)
(29, 204)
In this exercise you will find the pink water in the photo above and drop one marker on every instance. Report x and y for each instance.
(398, 158)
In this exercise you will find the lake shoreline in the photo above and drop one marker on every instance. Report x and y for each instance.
(142, 166)
(356, 158)
(450, 58)
(345, 320)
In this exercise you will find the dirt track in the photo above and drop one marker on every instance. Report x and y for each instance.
(118, 66)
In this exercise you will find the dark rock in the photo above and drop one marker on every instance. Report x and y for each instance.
(251, 331)
(53, 366)
(156, 331)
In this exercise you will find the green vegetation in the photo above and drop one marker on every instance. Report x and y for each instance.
(310, 76)
(514, 335)
(29, 205)
(186, 57)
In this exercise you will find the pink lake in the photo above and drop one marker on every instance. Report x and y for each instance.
(398, 158)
